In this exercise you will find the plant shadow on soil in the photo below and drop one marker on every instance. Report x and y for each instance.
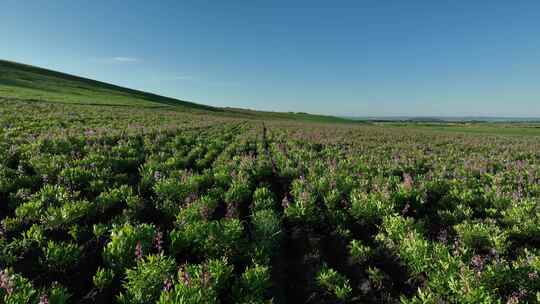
(304, 249)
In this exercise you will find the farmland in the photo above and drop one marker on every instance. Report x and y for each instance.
(138, 203)
(155, 205)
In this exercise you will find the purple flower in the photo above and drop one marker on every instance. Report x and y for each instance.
(206, 211)
(138, 251)
(285, 202)
(183, 275)
(89, 132)
(158, 241)
(405, 209)
(167, 284)
(477, 262)
(516, 296)
(191, 198)
(205, 278)
(443, 237)
(6, 282)
(43, 299)
(407, 181)
(232, 211)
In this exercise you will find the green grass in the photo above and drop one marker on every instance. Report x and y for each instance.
(29, 83)
(26, 82)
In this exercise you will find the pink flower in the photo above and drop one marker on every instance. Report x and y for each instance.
(167, 284)
(477, 262)
(158, 241)
(285, 202)
(232, 211)
(407, 181)
(184, 275)
(516, 296)
(138, 251)
(5, 281)
(43, 299)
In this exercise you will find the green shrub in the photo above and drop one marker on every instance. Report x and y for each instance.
(359, 252)
(482, 236)
(334, 283)
(253, 285)
(103, 278)
(266, 231)
(77, 178)
(239, 192)
(99, 230)
(448, 277)
(376, 277)
(305, 208)
(120, 251)
(15, 289)
(522, 220)
(209, 239)
(61, 256)
(369, 208)
(53, 195)
(143, 284)
(263, 199)
(58, 294)
(117, 198)
(34, 235)
(199, 283)
(171, 193)
(68, 214)
(29, 211)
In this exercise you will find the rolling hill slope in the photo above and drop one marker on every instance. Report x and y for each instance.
(27, 82)
(30, 83)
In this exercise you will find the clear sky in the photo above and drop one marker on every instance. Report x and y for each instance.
(356, 58)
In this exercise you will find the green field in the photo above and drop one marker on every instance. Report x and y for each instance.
(480, 128)
(109, 195)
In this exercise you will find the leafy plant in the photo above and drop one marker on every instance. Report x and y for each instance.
(334, 283)
(61, 256)
(482, 236)
(253, 285)
(359, 252)
(144, 282)
(103, 278)
(266, 231)
(15, 289)
(200, 283)
(120, 252)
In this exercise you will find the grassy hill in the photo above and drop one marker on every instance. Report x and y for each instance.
(25, 82)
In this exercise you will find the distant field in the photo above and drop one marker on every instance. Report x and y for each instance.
(514, 129)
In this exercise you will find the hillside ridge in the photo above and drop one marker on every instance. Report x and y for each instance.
(31, 83)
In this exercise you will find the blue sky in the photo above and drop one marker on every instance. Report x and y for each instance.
(332, 57)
